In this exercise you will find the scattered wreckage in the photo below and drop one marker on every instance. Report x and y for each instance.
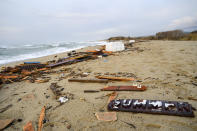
(35, 69)
(152, 107)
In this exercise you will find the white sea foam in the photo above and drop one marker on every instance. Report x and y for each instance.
(30, 51)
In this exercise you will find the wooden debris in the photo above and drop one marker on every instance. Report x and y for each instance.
(42, 115)
(153, 125)
(124, 88)
(28, 127)
(42, 81)
(109, 94)
(115, 78)
(128, 124)
(9, 76)
(88, 80)
(5, 108)
(28, 97)
(192, 98)
(54, 87)
(112, 96)
(106, 116)
(90, 91)
(5, 123)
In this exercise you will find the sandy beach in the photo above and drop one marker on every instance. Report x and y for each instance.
(167, 68)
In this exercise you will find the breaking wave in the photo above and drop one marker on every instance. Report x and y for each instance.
(22, 52)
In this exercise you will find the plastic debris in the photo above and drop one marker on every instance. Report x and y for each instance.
(63, 99)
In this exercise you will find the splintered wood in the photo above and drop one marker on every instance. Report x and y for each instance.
(115, 78)
(4, 123)
(88, 80)
(112, 96)
(28, 127)
(124, 88)
(42, 115)
(106, 116)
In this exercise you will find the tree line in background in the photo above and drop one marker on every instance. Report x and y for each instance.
(167, 35)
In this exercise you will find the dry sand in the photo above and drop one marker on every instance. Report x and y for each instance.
(167, 68)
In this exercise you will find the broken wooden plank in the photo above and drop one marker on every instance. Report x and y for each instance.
(152, 106)
(5, 108)
(106, 116)
(88, 80)
(42, 115)
(115, 78)
(54, 87)
(28, 127)
(8, 77)
(4, 123)
(112, 96)
(90, 91)
(124, 88)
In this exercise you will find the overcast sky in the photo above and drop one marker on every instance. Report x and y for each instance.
(45, 21)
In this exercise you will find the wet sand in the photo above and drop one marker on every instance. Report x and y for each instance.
(167, 68)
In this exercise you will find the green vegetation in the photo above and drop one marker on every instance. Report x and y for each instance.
(167, 35)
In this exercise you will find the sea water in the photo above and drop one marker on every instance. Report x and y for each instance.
(12, 53)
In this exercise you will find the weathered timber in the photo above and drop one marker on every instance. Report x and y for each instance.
(152, 106)
(115, 78)
(88, 80)
(124, 88)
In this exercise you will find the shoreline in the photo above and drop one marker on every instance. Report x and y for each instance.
(46, 58)
(167, 68)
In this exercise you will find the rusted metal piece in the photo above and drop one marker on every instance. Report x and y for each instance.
(124, 88)
(88, 80)
(152, 106)
(115, 78)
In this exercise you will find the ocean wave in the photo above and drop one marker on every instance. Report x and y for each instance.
(29, 51)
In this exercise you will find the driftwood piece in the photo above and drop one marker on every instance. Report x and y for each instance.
(42, 115)
(4, 123)
(88, 80)
(5, 108)
(106, 116)
(54, 87)
(8, 77)
(124, 88)
(28, 127)
(112, 96)
(115, 78)
(90, 91)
